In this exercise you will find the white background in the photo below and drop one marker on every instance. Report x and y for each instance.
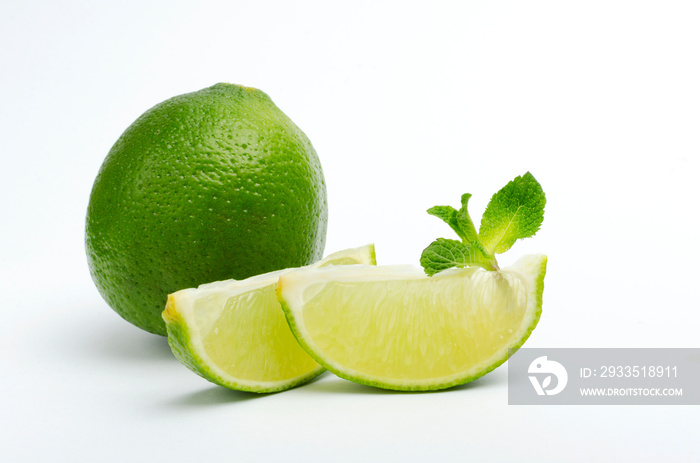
(409, 104)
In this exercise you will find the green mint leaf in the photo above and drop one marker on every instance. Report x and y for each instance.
(442, 254)
(459, 221)
(514, 212)
(449, 215)
(464, 222)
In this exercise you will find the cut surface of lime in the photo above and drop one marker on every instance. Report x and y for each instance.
(234, 333)
(395, 328)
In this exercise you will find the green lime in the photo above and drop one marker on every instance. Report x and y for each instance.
(206, 186)
(234, 333)
(396, 328)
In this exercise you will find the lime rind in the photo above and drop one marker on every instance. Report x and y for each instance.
(213, 184)
(189, 351)
(186, 330)
(531, 269)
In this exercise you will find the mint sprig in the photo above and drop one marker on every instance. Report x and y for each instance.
(516, 211)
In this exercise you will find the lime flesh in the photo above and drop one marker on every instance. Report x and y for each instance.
(395, 328)
(234, 333)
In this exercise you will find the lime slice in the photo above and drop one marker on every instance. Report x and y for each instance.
(395, 328)
(234, 333)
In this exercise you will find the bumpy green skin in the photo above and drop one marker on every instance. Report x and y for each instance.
(180, 342)
(206, 186)
(510, 350)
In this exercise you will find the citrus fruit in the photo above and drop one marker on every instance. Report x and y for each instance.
(395, 328)
(206, 186)
(234, 333)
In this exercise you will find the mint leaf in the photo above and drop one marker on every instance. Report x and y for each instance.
(514, 212)
(449, 215)
(442, 254)
(459, 221)
(464, 222)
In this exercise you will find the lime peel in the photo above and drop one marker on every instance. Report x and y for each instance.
(214, 184)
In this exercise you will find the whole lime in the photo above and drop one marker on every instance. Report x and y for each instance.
(206, 186)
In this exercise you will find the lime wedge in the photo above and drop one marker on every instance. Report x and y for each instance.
(234, 333)
(395, 328)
